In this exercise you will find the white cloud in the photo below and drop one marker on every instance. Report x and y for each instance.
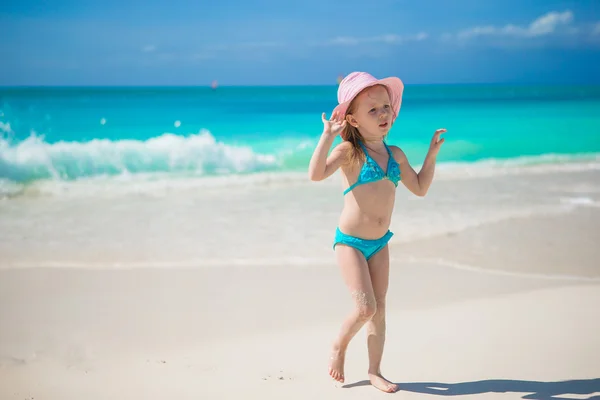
(548, 23)
(343, 41)
(596, 29)
(544, 25)
(421, 36)
(149, 48)
(387, 38)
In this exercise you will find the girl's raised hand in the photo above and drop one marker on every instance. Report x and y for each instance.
(333, 126)
(436, 141)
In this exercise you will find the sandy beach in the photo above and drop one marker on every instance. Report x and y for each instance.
(494, 292)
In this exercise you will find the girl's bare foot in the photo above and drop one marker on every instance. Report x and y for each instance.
(383, 384)
(336, 364)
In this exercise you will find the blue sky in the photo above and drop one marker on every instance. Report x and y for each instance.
(269, 42)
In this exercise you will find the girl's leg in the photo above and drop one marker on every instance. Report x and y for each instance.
(379, 270)
(355, 272)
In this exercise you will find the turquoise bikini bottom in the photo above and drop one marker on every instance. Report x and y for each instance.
(368, 247)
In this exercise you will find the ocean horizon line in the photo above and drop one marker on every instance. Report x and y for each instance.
(282, 86)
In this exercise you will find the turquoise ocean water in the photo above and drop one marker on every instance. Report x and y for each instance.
(70, 134)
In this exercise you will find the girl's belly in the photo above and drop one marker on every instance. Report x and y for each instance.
(367, 213)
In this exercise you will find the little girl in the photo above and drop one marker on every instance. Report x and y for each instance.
(371, 171)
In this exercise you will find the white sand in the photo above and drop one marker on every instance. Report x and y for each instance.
(152, 335)
(498, 310)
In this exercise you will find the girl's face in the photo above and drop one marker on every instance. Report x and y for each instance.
(373, 113)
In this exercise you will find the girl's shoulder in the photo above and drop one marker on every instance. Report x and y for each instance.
(344, 145)
(397, 152)
(343, 148)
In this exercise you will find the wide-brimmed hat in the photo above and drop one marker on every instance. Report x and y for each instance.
(355, 82)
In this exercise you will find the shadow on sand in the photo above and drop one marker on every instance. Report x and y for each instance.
(530, 390)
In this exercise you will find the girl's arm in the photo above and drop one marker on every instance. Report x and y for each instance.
(419, 183)
(321, 166)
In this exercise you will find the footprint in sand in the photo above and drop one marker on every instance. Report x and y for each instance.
(278, 377)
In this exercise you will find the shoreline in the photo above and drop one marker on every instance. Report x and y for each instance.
(152, 182)
(566, 255)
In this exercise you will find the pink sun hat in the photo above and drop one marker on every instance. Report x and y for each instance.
(355, 82)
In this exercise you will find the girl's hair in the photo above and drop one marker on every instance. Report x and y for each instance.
(356, 154)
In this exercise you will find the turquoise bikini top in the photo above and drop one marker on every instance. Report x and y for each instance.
(372, 172)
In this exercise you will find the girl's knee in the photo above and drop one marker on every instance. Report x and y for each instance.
(379, 314)
(367, 311)
(365, 304)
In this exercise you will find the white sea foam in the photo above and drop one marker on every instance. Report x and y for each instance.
(540, 164)
(172, 162)
(199, 154)
(5, 127)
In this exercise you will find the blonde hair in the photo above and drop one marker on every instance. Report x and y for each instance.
(356, 153)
